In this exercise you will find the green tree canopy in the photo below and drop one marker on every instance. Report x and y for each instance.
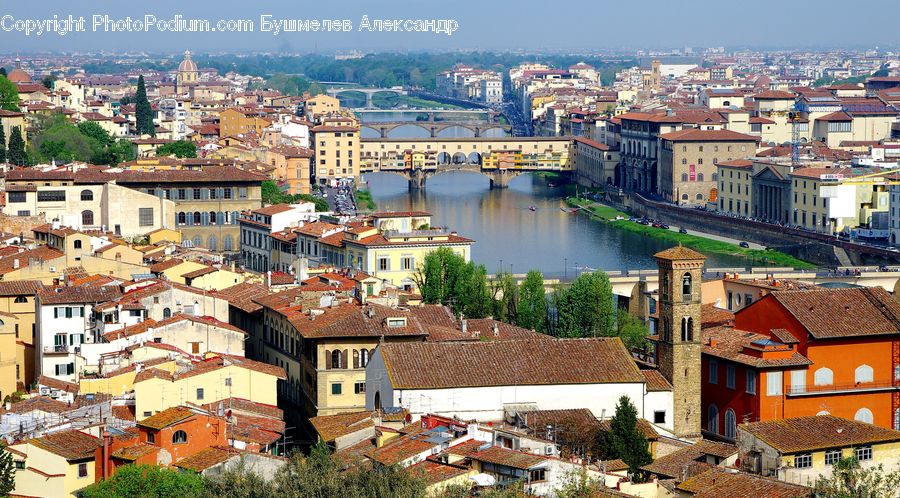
(506, 298)
(179, 148)
(532, 306)
(444, 277)
(7, 472)
(586, 308)
(625, 440)
(57, 139)
(849, 480)
(9, 95)
(632, 331)
(272, 194)
(2, 145)
(146, 481)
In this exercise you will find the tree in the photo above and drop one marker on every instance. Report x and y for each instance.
(93, 130)
(47, 81)
(437, 277)
(532, 308)
(146, 481)
(238, 482)
(272, 193)
(506, 298)
(7, 472)
(593, 303)
(180, 149)
(472, 291)
(143, 112)
(625, 440)
(849, 480)
(16, 151)
(321, 475)
(632, 331)
(9, 95)
(2, 145)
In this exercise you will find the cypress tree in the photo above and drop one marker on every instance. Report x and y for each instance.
(143, 112)
(16, 152)
(7, 472)
(625, 440)
(2, 145)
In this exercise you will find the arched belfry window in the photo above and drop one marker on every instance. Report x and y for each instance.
(686, 289)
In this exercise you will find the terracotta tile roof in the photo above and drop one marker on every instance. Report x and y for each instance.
(20, 287)
(400, 449)
(206, 458)
(82, 294)
(165, 265)
(38, 403)
(711, 316)
(729, 344)
(656, 381)
(378, 240)
(497, 363)
(68, 387)
(70, 444)
(352, 320)
(818, 432)
(643, 425)
(508, 458)
(679, 253)
(674, 464)
(698, 135)
(435, 472)
(836, 116)
(40, 253)
(123, 412)
(241, 296)
(715, 483)
(835, 313)
(273, 209)
(774, 94)
(132, 453)
(485, 328)
(573, 419)
(206, 270)
(167, 417)
(240, 405)
(331, 427)
(467, 448)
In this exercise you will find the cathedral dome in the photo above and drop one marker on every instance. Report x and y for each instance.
(187, 65)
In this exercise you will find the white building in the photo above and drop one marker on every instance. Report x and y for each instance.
(480, 380)
(63, 323)
(256, 245)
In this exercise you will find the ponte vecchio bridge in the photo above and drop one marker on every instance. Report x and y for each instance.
(500, 159)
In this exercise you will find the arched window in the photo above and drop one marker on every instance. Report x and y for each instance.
(863, 374)
(77, 244)
(87, 217)
(864, 415)
(227, 243)
(363, 358)
(823, 412)
(823, 377)
(197, 241)
(699, 177)
(336, 359)
(182, 219)
(712, 421)
(167, 313)
(684, 197)
(179, 437)
(665, 284)
(196, 217)
(684, 177)
(686, 285)
(687, 329)
(212, 244)
(87, 195)
(715, 176)
(730, 424)
(699, 197)
(212, 218)
(684, 161)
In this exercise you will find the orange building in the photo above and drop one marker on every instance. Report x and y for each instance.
(162, 439)
(796, 353)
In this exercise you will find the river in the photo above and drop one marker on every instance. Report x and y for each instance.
(508, 233)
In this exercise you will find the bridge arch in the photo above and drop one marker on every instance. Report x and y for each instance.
(459, 158)
(456, 131)
(474, 158)
(444, 158)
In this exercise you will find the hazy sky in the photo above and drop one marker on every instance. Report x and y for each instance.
(483, 24)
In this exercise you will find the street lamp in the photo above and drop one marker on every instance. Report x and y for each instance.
(565, 268)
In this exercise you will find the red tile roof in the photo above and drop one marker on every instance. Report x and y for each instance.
(70, 444)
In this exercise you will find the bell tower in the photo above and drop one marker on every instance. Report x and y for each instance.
(678, 349)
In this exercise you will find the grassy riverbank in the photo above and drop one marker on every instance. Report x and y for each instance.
(364, 200)
(755, 257)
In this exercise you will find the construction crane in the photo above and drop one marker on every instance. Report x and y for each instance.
(794, 117)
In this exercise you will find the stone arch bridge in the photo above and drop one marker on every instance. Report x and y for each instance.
(368, 92)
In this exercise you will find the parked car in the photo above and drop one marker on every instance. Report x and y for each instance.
(682, 230)
(664, 226)
(744, 244)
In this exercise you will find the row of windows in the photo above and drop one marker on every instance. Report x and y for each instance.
(699, 177)
(199, 194)
(805, 461)
(731, 376)
(198, 218)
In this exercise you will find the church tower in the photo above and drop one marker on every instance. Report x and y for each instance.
(678, 348)
(187, 73)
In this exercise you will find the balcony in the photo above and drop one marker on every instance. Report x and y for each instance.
(860, 387)
(58, 349)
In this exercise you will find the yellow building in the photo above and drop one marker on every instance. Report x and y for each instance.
(59, 464)
(17, 315)
(121, 381)
(234, 121)
(164, 235)
(172, 269)
(827, 200)
(321, 105)
(336, 145)
(211, 278)
(293, 166)
(397, 244)
(10, 120)
(799, 450)
(215, 378)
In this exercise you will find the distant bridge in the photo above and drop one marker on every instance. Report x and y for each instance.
(435, 127)
(514, 156)
(368, 92)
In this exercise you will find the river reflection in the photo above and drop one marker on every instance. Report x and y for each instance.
(508, 232)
